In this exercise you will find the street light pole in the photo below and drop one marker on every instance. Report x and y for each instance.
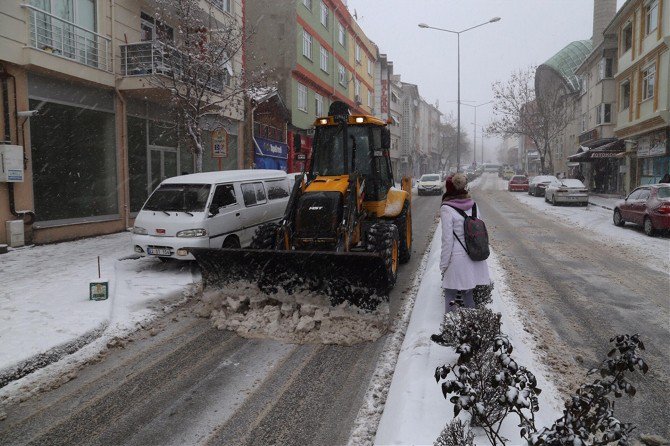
(458, 112)
(474, 148)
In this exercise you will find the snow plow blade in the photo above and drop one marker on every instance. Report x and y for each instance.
(358, 278)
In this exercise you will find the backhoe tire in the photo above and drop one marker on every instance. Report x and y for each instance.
(265, 236)
(383, 239)
(404, 224)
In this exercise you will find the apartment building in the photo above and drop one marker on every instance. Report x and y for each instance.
(598, 153)
(642, 77)
(315, 53)
(104, 136)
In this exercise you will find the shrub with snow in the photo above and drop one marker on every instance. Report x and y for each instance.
(455, 433)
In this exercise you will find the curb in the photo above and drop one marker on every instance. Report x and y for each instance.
(601, 206)
(41, 360)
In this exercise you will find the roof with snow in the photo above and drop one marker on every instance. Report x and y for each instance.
(226, 175)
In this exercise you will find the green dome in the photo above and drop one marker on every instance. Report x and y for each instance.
(566, 61)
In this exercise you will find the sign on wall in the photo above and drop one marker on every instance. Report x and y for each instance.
(219, 144)
(654, 144)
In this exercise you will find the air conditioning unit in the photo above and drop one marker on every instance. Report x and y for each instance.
(11, 163)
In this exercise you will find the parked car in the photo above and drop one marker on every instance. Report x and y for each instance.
(537, 184)
(567, 191)
(430, 184)
(647, 206)
(208, 210)
(518, 183)
(508, 173)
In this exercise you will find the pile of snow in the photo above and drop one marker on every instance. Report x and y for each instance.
(296, 318)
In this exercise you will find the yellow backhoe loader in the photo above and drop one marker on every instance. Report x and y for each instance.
(346, 226)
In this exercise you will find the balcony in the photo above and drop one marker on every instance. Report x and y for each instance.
(158, 58)
(62, 38)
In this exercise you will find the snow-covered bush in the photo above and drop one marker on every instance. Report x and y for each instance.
(469, 330)
(483, 295)
(588, 418)
(455, 433)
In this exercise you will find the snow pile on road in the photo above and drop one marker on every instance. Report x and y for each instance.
(297, 318)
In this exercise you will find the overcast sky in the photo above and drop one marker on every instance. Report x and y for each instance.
(529, 33)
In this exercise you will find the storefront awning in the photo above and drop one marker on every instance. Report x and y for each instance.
(270, 149)
(614, 149)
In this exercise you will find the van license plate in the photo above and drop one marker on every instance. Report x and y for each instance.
(158, 251)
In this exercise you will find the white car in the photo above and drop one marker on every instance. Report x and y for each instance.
(209, 210)
(430, 184)
(566, 191)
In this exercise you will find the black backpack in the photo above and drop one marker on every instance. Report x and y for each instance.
(476, 236)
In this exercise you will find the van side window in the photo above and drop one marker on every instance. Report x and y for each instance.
(277, 189)
(249, 194)
(260, 192)
(223, 196)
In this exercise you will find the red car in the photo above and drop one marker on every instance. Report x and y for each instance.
(647, 206)
(518, 183)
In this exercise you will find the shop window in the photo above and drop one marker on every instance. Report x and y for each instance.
(74, 162)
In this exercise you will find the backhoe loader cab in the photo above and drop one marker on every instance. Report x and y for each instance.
(346, 226)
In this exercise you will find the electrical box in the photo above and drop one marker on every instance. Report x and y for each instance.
(15, 234)
(11, 163)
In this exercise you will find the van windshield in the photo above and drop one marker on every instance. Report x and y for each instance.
(179, 197)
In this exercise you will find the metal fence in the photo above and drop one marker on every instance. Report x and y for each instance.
(63, 38)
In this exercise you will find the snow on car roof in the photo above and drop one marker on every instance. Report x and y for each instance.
(226, 175)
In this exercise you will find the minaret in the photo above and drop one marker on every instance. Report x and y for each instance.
(603, 13)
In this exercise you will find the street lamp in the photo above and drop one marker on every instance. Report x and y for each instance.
(474, 150)
(458, 34)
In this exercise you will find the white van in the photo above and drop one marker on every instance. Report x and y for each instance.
(209, 210)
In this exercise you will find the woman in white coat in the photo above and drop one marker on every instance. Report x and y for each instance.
(459, 272)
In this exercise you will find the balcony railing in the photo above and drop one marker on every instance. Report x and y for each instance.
(155, 57)
(63, 38)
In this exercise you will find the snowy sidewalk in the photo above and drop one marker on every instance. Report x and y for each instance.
(604, 201)
(45, 311)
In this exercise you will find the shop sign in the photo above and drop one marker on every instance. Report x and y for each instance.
(271, 148)
(219, 144)
(588, 136)
(604, 154)
(654, 144)
(300, 157)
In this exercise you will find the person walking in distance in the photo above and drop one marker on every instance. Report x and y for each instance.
(460, 274)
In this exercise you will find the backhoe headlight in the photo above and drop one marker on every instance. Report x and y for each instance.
(192, 233)
(139, 230)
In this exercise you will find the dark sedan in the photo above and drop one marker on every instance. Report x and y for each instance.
(647, 206)
(538, 184)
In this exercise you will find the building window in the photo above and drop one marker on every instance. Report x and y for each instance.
(341, 34)
(370, 67)
(651, 16)
(306, 44)
(605, 69)
(648, 80)
(223, 5)
(308, 4)
(357, 90)
(369, 99)
(318, 104)
(394, 97)
(604, 114)
(325, 12)
(358, 53)
(342, 75)
(584, 116)
(627, 37)
(625, 95)
(324, 59)
(302, 97)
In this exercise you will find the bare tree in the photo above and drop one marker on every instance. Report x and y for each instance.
(197, 61)
(517, 110)
(447, 144)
